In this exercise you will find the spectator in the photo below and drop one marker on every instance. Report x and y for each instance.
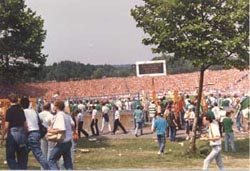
(138, 115)
(160, 127)
(16, 128)
(210, 113)
(215, 143)
(239, 116)
(229, 135)
(172, 122)
(152, 112)
(33, 133)
(117, 121)
(80, 124)
(46, 119)
(94, 122)
(62, 123)
(105, 117)
(189, 119)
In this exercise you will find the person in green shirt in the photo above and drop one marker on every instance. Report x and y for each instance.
(210, 113)
(138, 115)
(229, 135)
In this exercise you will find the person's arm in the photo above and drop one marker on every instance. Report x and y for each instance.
(155, 126)
(53, 130)
(5, 130)
(211, 139)
(77, 122)
(175, 122)
(25, 125)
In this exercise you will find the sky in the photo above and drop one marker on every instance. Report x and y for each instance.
(91, 31)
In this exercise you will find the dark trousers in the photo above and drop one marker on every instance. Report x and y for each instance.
(116, 124)
(81, 130)
(94, 122)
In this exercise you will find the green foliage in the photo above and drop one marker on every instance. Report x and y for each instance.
(180, 65)
(204, 32)
(68, 70)
(21, 37)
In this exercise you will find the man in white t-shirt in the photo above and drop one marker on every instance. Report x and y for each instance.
(34, 133)
(215, 141)
(62, 123)
(80, 124)
(94, 122)
(81, 106)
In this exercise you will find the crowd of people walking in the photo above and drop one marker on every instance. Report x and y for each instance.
(165, 115)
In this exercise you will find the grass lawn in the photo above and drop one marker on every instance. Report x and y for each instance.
(142, 153)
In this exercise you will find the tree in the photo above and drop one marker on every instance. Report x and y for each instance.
(21, 38)
(205, 32)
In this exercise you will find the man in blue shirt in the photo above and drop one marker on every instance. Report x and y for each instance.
(160, 127)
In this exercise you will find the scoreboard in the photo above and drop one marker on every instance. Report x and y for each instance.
(151, 68)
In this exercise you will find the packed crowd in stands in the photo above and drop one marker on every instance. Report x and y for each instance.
(226, 81)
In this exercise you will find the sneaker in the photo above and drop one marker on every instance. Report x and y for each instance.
(159, 153)
(136, 135)
(187, 138)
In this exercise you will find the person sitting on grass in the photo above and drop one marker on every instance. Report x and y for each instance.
(160, 127)
(229, 135)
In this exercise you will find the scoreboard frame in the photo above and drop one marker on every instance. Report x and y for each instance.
(151, 68)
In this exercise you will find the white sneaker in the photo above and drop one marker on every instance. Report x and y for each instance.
(187, 138)
(159, 153)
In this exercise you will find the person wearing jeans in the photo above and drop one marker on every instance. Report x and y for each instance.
(138, 118)
(15, 128)
(34, 144)
(229, 135)
(172, 125)
(160, 127)
(64, 124)
(105, 117)
(215, 142)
